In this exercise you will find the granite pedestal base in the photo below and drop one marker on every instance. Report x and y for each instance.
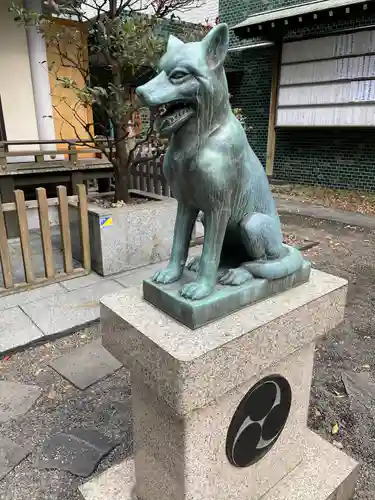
(220, 412)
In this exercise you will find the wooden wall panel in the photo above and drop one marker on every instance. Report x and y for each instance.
(328, 81)
(350, 44)
(349, 116)
(341, 93)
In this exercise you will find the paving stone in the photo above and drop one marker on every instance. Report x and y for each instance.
(116, 483)
(86, 365)
(136, 277)
(11, 454)
(72, 310)
(78, 451)
(16, 329)
(16, 399)
(82, 281)
(21, 298)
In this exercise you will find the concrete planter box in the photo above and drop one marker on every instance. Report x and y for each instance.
(124, 238)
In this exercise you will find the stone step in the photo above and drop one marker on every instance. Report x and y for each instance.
(326, 474)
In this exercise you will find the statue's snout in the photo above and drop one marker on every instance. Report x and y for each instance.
(142, 95)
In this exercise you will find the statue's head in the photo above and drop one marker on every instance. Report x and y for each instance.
(190, 81)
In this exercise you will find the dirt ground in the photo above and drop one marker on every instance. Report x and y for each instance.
(345, 251)
(349, 253)
(342, 199)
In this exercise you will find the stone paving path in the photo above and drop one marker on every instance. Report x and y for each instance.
(64, 307)
(325, 213)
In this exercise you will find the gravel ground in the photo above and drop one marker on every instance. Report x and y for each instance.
(344, 251)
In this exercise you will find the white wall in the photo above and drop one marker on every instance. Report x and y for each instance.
(208, 11)
(15, 79)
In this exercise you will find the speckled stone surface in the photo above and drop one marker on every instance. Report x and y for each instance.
(137, 235)
(187, 385)
(185, 458)
(189, 369)
(224, 300)
(326, 473)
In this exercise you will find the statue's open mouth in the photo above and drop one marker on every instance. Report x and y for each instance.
(173, 115)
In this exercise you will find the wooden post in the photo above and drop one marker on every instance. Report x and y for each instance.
(76, 178)
(84, 227)
(45, 232)
(24, 235)
(7, 195)
(148, 177)
(73, 157)
(5, 261)
(156, 167)
(65, 229)
(271, 140)
(3, 158)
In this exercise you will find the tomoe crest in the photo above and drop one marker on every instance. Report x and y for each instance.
(258, 421)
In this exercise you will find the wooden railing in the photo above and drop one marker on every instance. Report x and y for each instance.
(51, 274)
(145, 173)
(72, 150)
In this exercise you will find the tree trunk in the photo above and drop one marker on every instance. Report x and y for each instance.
(121, 171)
(122, 187)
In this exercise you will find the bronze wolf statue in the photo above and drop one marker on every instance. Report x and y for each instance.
(211, 168)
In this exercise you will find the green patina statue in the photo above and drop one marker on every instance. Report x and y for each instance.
(212, 169)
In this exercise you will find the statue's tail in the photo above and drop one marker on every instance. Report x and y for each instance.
(278, 268)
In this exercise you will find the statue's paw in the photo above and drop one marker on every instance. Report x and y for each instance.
(193, 265)
(196, 290)
(235, 277)
(167, 275)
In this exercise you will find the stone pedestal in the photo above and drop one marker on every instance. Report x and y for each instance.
(220, 412)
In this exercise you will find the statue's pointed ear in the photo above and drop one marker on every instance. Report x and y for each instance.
(174, 43)
(216, 43)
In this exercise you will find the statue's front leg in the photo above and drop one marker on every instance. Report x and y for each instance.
(216, 222)
(185, 220)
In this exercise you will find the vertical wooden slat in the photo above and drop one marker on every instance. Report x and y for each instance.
(5, 261)
(131, 179)
(142, 176)
(155, 175)
(158, 175)
(76, 178)
(45, 232)
(137, 176)
(24, 235)
(271, 139)
(164, 185)
(66, 239)
(148, 177)
(84, 227)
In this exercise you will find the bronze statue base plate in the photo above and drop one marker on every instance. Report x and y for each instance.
(223, 301)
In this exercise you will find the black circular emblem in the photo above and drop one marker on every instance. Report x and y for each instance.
(258, 421)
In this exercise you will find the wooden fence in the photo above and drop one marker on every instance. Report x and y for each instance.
(146, 175)
(51, 274)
